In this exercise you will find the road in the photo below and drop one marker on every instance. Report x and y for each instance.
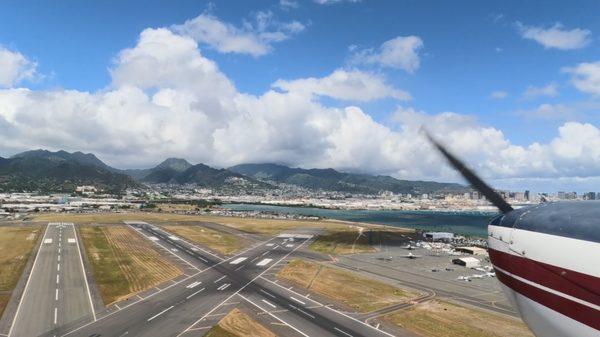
(184, 308)
(57, 291)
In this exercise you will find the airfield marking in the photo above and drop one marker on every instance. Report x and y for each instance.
(168, 250)
(270, 314)
(220, 278)
(194, 294)
(243, 287)
(87, 287)
(269, 303)
(342, 331)
(297, 300)
(55, 315)
(172, 285)
(264, 262)
(327, 306)
(160, 313)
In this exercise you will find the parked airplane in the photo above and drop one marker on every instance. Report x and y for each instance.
(546, 258)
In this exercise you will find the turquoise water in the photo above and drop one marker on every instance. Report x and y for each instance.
(464, 223)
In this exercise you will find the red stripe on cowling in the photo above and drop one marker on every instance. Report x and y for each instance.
(582, 286)
(569, 308)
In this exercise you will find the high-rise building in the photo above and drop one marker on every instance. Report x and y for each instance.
(527, 196)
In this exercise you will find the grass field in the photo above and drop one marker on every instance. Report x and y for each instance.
(16, 244)
(221, 242)
(442, 319)
(357, 292)
(239, 324)
(123, 262)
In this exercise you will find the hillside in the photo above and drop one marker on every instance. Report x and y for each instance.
(181, 172)
(332, 180)
(61, 171)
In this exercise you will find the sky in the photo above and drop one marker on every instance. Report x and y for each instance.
(512, 87)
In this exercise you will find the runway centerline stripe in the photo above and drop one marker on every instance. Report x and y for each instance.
(269, 303)
(342, 331)
(194, 294)
(160, 313)
(297, 300)
(220, 278)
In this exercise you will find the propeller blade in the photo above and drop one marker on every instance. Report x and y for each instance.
(476, 182)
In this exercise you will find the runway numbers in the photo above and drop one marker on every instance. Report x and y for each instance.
(264, 262)
(224, 286)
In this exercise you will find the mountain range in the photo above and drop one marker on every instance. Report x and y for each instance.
(61, 171)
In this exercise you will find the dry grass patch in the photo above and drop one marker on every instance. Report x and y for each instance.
(357, 292)
(442, 319)
(221, 242)
(123, 262)
(16, 244)
(239, 324)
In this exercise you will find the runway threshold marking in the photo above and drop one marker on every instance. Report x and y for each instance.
(160, 313)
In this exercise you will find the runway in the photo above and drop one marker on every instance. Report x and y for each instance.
(188, 307)
(57, 291)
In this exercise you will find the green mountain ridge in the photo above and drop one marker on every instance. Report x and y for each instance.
(61, 171)
(332, 180)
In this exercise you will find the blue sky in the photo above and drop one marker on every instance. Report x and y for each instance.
(476, 58)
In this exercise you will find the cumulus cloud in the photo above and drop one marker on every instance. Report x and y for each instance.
(254, 37)
(401, 52)
(168, 99)
(557, 36)
(586, 77)
(499, 94)
(353, 85)
(549, 90)
(15, 68)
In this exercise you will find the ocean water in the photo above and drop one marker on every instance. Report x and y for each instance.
(463, 223)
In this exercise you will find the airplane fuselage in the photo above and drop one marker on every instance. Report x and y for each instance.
(547, 258)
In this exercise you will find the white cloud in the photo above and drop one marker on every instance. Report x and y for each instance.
(549, 90)
(551, 111)
(15, 68)
(254, 38)
(167, 99)
(499, 94)
(288, 4)
(331, 2)
(353, 85)
(586, 77)
(556, 36)
(401, 52)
